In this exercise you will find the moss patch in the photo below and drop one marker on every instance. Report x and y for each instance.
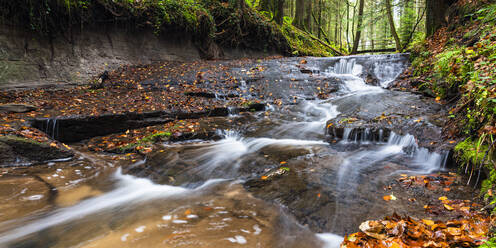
(303, 43)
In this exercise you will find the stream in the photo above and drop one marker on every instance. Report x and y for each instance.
(276, 178)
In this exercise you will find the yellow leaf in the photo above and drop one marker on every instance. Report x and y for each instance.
(428, 222)
(443, 198)
(448, 207)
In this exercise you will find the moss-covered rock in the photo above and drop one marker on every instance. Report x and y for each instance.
(19, 151)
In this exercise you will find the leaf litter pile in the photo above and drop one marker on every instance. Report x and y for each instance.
(447, 222)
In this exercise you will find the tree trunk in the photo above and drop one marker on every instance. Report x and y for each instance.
(308, 17)
(320, 20)
(436, 10)
(279, 12)
(356, 42)
(348, 24)
(392, 26)
(299, 19)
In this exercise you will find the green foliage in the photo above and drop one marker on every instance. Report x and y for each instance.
(227, 23)
(491, 243)
(471, 152)
(48, 17)
(464, 71)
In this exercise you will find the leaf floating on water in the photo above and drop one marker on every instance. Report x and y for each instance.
(390, 197)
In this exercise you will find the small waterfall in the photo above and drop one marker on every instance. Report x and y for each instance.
(348, 71)
(427, 161)
(352, 167)
(346, 134)
(387, 72)
(362, 135)
(347, 66)
(51, 128)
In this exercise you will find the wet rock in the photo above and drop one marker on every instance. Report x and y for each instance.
(300, 188)
(17, 151)
(372, 80)
(357, 133)
(165, 167)
(16, 108)
(77, 128)
(308, 71)
(398, 112)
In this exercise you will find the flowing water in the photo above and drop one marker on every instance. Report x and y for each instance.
(203, 200)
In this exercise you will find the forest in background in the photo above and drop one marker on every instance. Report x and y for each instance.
(358, 26)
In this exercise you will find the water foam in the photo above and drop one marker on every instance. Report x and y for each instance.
(229, 151)
(330, 240)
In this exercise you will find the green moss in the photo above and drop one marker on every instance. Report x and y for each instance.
(303, 43)
(471, 152)
(147, 140)
(9, 139)
(49, 17)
